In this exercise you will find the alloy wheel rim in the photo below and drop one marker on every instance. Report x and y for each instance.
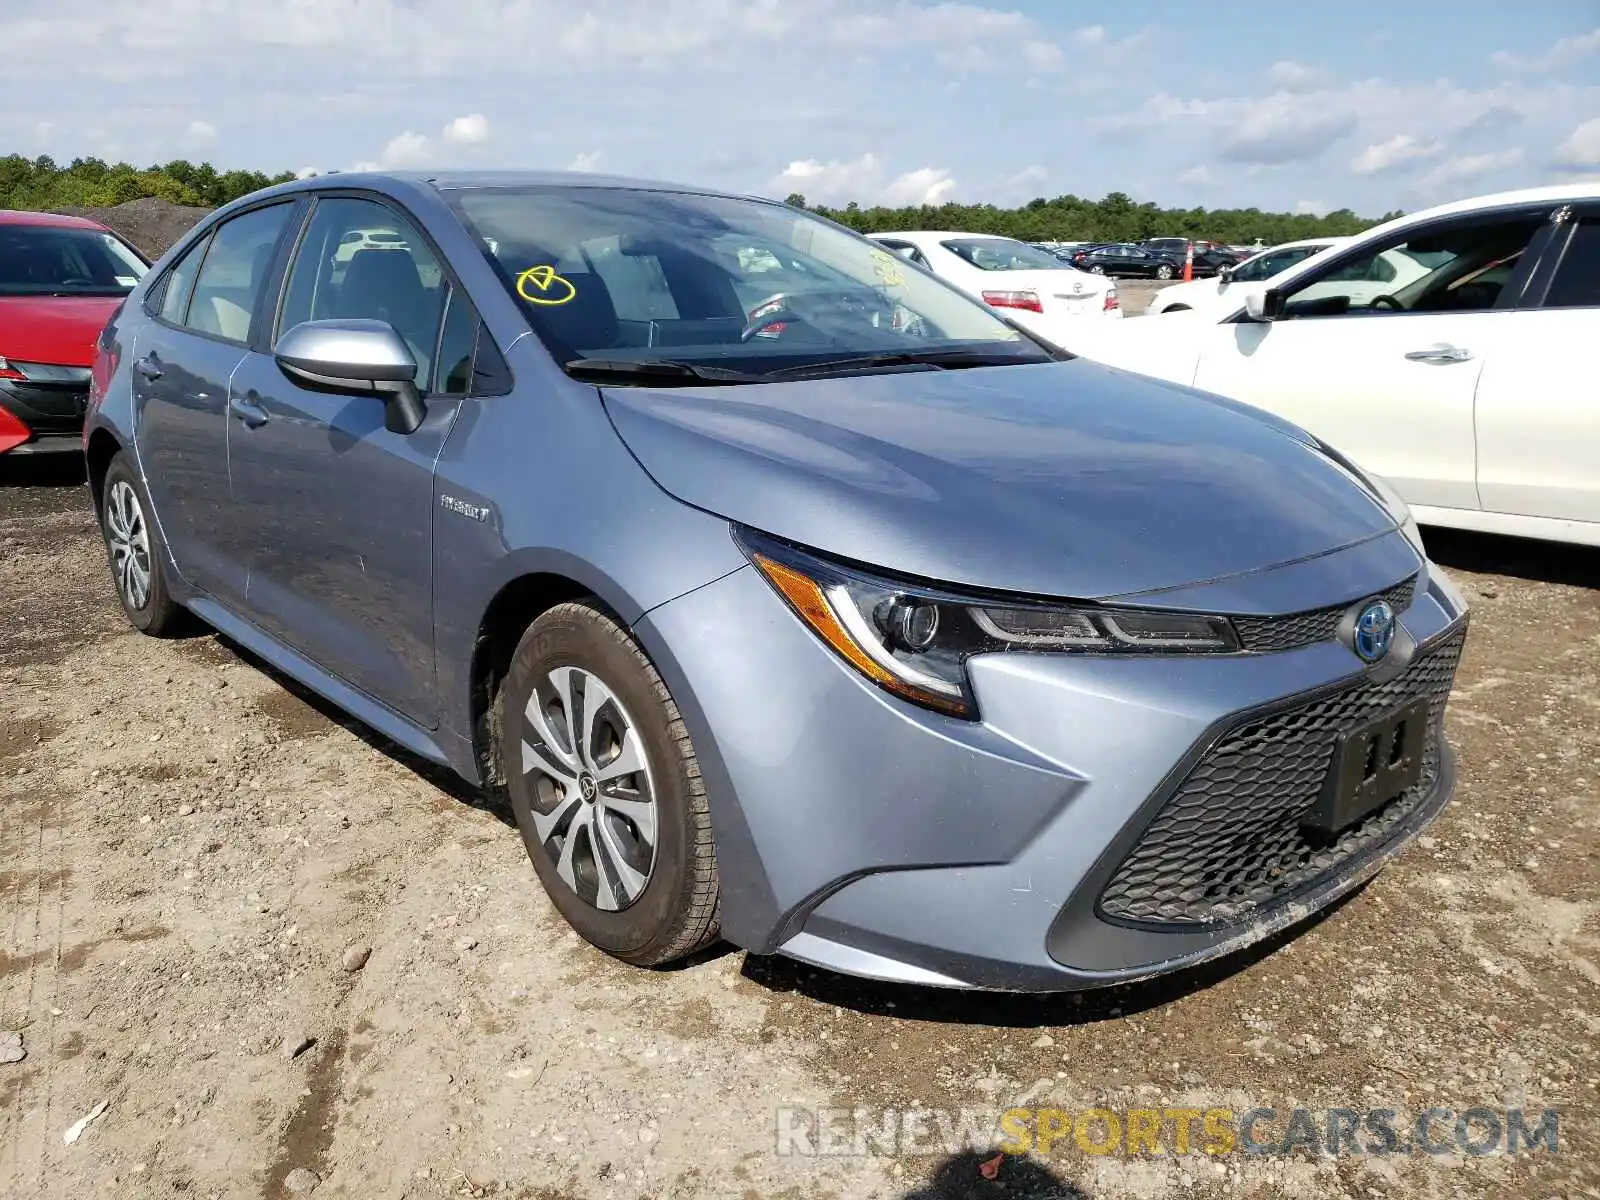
(128, 537)
(593, 796)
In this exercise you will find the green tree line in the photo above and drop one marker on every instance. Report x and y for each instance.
(41, 184)
(1117, 218)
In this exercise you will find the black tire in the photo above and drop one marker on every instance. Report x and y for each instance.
(1164, 272)
(675, 912)
(1097, 269)
(134, 548)
(1176, 308)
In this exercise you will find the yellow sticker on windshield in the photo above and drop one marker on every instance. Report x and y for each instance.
(887, 267)
(541, 285)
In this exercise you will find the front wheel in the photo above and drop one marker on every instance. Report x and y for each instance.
(1097, 269)
(136, 553)
(606, 789)
(1163, 272)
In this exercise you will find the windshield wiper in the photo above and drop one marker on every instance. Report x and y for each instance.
(655, 370)
(936, 359)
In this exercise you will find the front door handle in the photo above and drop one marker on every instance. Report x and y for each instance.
(249, 410)
(1443, 352)
(149, 366)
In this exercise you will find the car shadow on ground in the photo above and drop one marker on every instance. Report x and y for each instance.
(42, 470)
(1521, 558)
(975, 1175)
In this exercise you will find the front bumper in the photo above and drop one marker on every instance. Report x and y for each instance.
(38, 418)
(865, 835)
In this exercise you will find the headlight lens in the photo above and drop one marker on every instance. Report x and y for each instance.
(914, 640)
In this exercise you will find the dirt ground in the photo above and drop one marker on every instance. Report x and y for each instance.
(188, 848)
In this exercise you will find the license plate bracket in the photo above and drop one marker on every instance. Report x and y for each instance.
(1371, 766)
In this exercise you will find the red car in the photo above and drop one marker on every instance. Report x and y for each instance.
(61, 278)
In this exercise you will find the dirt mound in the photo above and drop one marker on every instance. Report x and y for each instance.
(150, 224)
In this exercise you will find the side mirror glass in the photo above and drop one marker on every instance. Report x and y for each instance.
(355, 355)
(1225, 272)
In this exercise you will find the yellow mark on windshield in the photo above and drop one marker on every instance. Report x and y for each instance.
(887, 267)
(541, 285)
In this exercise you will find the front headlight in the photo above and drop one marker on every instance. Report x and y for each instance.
(914, 639)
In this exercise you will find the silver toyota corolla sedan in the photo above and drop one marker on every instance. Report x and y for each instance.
(788, 594)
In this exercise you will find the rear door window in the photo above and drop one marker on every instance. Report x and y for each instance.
(238, 261)
(1577, 281)
(179, 283)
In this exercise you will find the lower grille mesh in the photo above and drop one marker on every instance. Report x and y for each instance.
(1230, 841)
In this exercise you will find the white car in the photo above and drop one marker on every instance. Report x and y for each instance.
(1228, 287)
(1469, 388)
(1032, 287)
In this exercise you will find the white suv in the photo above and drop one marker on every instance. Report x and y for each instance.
(1468, 386)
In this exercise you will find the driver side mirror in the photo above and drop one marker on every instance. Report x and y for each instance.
(365, 357)
(1225, 273)
(1264, 306)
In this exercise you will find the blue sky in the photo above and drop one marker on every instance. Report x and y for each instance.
(1366, 105)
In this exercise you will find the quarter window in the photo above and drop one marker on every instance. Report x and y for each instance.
(232, 277)
(457, 341)
(361, 259)
(179, 283)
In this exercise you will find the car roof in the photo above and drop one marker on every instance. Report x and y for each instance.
(11, 216)
(450, 181)
(939, 233)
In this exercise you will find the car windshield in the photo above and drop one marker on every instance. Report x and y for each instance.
(1271, 262)
(48, 260)
(616, 275)
(1002, 254)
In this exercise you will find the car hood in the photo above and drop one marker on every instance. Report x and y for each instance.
(1061, 479)
(59, 330)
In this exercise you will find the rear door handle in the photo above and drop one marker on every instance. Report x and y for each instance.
(248, 410)
(149, 366)
(1441, 353)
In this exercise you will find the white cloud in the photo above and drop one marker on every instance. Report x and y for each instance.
(1581, 151)
(1284, 128)
(1454, 172)
(925, 185)
(1564, 53)
(1096, 45)
(406, 150)
(1198, 176)
(200, 133)
(1294, 76)
(471, 130)
(1386, 155)
(307, 173)
(587, 160)
(862, 180)
(1312, 208)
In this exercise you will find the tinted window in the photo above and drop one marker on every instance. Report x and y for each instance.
(456, 342)
(179, 282)
(1274, 261)
(237, 262)
(57, 260)
(1577, 280)
(360, 258)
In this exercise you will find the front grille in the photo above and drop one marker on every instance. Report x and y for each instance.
(1266, 634)
(1229, 841)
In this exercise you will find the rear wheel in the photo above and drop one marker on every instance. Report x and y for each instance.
(1097, 269)
(607, 790)
(136, 553)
